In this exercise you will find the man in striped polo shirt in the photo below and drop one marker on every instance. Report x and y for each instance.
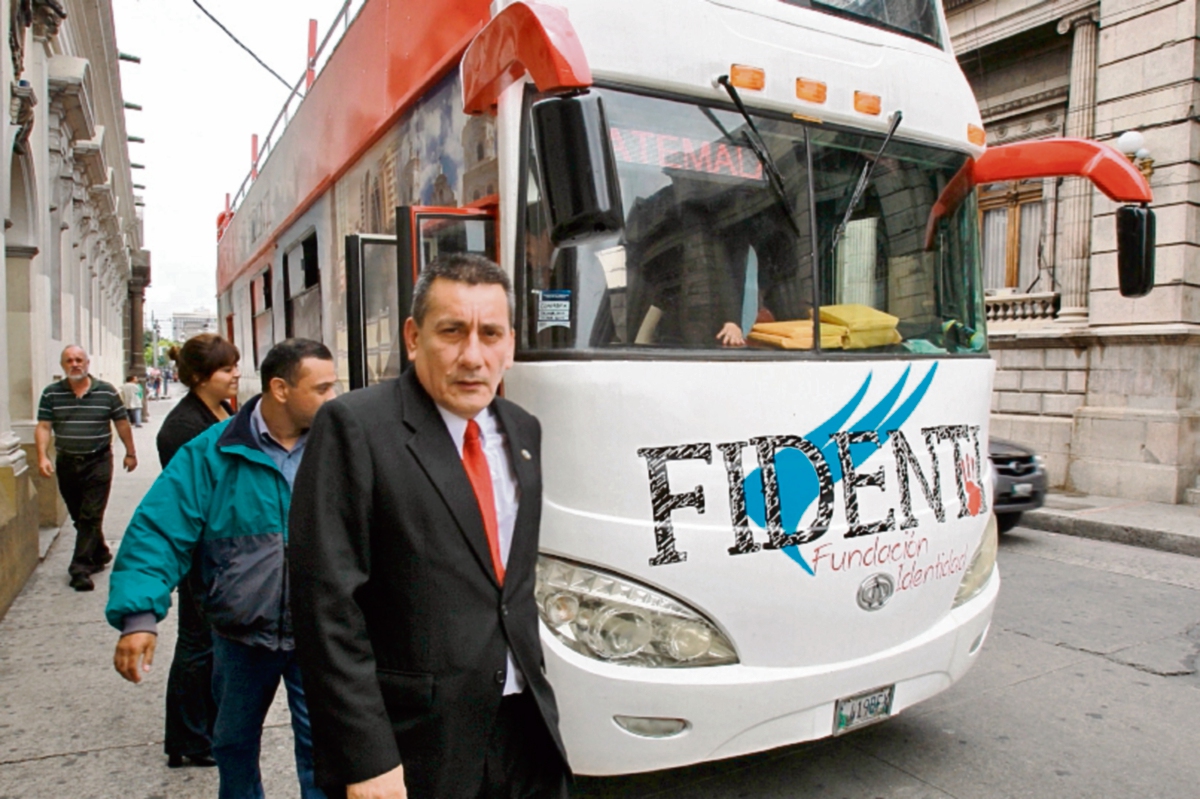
(81, 411)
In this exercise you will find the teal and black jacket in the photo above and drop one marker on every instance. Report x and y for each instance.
(223, 494)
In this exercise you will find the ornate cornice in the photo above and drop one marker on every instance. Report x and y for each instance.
(1068, 23)
(20, 251)
(89, 155)
(48, 16)
(44, 16)
(70, 90)
(21, 113)
(1009, 20)
(1046, 98)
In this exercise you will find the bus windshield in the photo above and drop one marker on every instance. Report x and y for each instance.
(712, 258)
(916, 18)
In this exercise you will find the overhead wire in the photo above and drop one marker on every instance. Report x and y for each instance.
(239, 43)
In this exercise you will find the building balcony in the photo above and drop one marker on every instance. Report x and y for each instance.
(1008, 310)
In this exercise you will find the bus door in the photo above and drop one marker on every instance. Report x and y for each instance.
(425, 232)
(373, 309)
(381, 271)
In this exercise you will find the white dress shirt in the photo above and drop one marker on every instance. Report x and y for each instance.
(505, 492)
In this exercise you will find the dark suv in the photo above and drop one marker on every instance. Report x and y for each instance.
(1020, 481)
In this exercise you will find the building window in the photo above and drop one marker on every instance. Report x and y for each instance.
(1011, 215)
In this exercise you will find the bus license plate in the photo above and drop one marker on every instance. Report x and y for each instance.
(862, 709)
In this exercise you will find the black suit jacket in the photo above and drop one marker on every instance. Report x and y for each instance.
(401, 628)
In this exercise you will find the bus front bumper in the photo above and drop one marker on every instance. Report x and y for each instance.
(735, 710)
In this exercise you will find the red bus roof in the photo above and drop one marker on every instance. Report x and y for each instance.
(392, 53)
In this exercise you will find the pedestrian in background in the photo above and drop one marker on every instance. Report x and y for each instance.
(81, 411)
(208, 366)
(131, 396)
(227, 493)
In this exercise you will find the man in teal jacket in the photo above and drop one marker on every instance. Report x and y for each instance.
(228, 492)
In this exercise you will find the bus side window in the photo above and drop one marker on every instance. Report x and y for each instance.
(549, 317)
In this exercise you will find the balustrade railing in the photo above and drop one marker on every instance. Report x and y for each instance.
(1020, 310)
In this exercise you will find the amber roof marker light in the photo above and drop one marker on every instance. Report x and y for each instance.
(744, 77)
(867, 103)
(813, 91)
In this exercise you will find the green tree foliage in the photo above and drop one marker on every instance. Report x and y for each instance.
(163, 346)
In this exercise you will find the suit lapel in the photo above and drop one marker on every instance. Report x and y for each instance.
(434, 450)
(524, 540)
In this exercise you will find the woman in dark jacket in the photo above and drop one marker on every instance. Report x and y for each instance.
(207, 365)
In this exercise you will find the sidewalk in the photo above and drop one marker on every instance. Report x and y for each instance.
(1170, 528)
(69, 725)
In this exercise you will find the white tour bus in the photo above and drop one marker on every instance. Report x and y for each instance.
(745, 245)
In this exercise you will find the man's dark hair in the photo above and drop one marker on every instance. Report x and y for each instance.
(283, 360)
(474, 270)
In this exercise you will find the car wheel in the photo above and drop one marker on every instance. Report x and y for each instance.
(1007, 521)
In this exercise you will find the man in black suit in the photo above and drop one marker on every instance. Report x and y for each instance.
(414, 537)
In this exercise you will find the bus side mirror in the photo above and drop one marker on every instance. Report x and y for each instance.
(579, 174)
(1135, 250)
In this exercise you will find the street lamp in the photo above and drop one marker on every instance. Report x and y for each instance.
(157, 343)
(1133, 145)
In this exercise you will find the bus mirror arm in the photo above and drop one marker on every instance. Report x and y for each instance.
(948, 201)
(534, 39)
(1104, 166)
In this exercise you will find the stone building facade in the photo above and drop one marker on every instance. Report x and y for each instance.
(75, 270)
(1106, 388)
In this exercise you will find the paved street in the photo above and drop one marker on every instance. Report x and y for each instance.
(1087, 688)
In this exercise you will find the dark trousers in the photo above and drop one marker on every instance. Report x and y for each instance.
(191, 708)
(84, 482)
(521, 761)
(245, 679)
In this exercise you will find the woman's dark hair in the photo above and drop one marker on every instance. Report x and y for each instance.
(201, 355)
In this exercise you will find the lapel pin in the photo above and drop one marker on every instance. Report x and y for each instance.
(525, 454)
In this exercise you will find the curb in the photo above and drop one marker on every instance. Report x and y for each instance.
(46, 538)
(1146, 538)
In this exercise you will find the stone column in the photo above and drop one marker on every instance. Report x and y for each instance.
(1075, 232)
(138, 281)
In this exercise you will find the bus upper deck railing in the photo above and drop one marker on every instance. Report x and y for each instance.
(345, 16)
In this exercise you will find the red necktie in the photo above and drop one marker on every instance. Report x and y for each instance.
(480, 476)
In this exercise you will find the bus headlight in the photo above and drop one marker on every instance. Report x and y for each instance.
(617, 620)
(983, 563)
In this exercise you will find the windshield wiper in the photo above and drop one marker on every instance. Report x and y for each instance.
(864, 178)
(774, 178)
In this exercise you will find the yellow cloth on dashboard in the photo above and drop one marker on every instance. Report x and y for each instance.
(797, 334)
(861, 339)
(858, 317)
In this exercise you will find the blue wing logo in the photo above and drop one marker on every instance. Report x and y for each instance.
(798, 485)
